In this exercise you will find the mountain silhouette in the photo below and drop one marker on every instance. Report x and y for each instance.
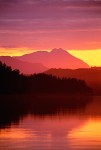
(92, 76)
(57, 58)
(23, 66)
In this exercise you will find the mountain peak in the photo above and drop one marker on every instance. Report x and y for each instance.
(58, 50)
(57, 58)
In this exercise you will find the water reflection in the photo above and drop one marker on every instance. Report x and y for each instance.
(72, 128)
(15, 107)
(87, 135)
(39, 133)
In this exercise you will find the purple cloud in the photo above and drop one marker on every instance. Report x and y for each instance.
(31, 22)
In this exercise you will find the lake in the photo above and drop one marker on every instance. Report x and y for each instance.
(68, 128)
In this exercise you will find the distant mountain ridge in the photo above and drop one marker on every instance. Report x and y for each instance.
(92, 76)
(57, 58)
(23, 66)
(40, 61)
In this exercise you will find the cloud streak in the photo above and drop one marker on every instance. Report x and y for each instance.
(50, 21)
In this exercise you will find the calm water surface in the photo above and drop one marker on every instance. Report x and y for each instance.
(78, 129)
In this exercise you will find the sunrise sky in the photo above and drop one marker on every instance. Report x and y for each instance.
(29, 25)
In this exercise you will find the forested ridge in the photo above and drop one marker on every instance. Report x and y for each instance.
(11, 81)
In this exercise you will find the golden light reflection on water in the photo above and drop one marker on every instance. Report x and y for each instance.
(88, 134)
(71, 131)
(15, 133)
(61, 133)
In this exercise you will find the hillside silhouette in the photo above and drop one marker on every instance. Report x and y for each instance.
(23, 66)
(92, 76)
(11, 81)
(57, 58)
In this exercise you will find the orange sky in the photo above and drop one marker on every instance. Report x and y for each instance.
(27, 25)
(91, 57)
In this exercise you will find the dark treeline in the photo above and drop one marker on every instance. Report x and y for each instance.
(38, 94)
(11, 81)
